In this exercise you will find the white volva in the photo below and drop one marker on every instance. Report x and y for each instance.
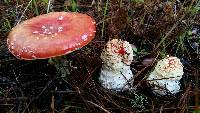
(115, 72)
(166, 75)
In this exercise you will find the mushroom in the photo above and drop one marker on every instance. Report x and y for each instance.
(165, 77)
(115, 72)
(50, 35)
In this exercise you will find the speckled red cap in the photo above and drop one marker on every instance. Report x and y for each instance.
(50, 35)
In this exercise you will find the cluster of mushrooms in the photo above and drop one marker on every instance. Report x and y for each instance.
(59, 33)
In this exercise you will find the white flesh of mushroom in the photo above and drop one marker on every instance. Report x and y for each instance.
(166, 75)
(115, 72)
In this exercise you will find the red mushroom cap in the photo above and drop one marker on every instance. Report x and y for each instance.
(50, 35)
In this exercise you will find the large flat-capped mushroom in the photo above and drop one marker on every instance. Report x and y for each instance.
(50, 35)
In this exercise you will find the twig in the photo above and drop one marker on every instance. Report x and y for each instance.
(13, 99)
(49, 4)
(64, 110)
(44, 89)
(24, 12)
(52, 104)
(98, 106)
(168, 33)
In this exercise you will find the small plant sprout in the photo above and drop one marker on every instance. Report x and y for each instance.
(115, 72)
(165, 77)
(139, 102)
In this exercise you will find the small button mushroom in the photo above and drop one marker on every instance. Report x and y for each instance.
(115, 72)
(166, 75)
(50, 35)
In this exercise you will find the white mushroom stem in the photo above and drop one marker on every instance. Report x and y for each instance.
(115, 72)
(166, 75)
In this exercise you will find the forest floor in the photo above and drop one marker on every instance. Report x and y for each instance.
(156, 27)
